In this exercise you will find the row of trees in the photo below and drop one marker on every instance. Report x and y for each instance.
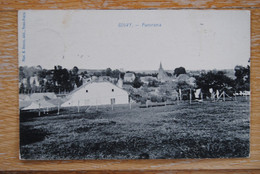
(109, 72)
(56, 80)
(219, 81)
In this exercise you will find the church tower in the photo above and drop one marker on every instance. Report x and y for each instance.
(162, 76)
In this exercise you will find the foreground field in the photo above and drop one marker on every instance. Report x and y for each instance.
(200, 130)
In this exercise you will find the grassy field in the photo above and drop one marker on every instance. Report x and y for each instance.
(200, 130)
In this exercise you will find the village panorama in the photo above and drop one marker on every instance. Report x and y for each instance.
(116, 114)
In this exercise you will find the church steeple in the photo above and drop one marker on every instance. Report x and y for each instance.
(160, 65)
(162, 76)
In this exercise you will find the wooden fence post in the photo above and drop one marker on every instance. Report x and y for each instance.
(78, 106)
(190, 96)
(58, 107)
(180, 95)
(39, 110)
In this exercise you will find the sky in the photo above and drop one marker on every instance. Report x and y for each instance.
(134, 40)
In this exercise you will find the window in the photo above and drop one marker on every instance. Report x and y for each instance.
(112, 90)
(113, 101)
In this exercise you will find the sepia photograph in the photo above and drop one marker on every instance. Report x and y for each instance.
(134, 84)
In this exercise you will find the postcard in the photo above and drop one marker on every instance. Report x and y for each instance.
(134, 84)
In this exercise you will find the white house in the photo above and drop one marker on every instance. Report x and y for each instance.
(97, 93)
(129, 77)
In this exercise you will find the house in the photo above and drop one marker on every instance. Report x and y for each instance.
(97, 93)
(129, 77)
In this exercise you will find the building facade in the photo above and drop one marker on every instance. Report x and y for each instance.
(97, 93)
(129, 77)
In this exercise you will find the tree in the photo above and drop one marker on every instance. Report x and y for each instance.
(28, 86)
(78, 81)
(178, 71)
(63, 79)
(169, 74)
(183, 85)
(39, 67)
(185, 90)
(153, 83)
(215, 80)
(242, 81)
(137, 83)
(21, 73)
(33, 86)
(108, 72)
(98, 74)
(21, 88)
(167, 89)
(115, 73)
(84, 74)
(75, 70)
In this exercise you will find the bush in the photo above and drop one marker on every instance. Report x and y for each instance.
(143, 100)
(154, 98)
(137, 83)
(158, 99)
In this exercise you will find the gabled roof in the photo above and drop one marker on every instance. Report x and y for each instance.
(91, 82)
(82, 86)
(40, 96)
(128, 74)
(39, 104)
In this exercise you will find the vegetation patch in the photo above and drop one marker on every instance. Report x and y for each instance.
(200, 130)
